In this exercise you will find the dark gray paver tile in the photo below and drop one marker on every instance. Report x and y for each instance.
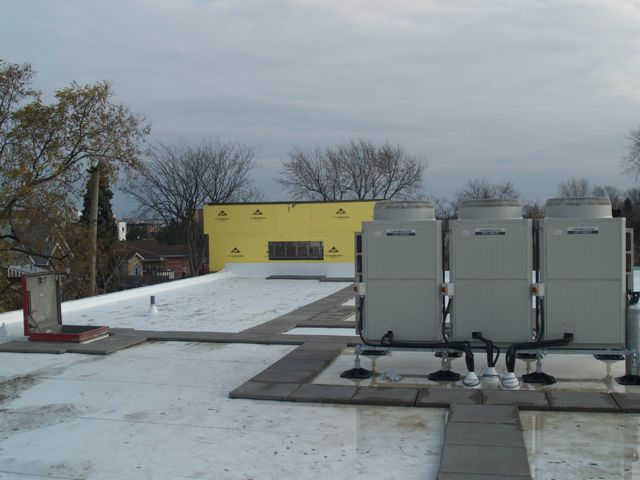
(443, 397)
(173, 336)
(582, 402)
(264, 391)
(253, 338)
(313, 354)
(33, 347)
(300, 364)
(330, 339)
(488, 434)
(295, 277)
(484, 414)
(127, 331)
(628, 402)
(478, 476)
(106, 346)
(276, 375)
(485, 460)
(330, 324)
(323, 393)
(524, 399)
(324, 346)
(385, 396)
(270, 329)
(290, 318)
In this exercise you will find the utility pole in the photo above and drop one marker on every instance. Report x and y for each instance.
(93, 226)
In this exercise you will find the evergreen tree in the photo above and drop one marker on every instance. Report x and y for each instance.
(110, 252)
(627, 212)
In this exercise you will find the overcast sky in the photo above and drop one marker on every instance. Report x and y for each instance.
(533, 92)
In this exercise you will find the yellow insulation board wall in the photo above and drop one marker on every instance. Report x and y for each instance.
(240, 233)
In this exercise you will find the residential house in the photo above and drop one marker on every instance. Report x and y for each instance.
(149, 262)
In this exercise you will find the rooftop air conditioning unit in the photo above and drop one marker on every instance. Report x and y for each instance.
(582, 266)
(491, 263)
(401, 272)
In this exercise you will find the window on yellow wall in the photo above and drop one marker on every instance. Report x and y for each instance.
(296, 251)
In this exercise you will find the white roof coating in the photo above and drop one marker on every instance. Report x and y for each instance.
(161, 410)
(218, 302)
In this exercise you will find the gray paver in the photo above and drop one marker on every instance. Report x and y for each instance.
(295, 277)
(487, 434)
(127, 331)
(290, 318)
(300, 364)
(582, 402)
(177, 336)
(313, 354)
(106, 346)
(484, 414)
(628, 402)
(33, 347)
(264, 391)
(268, 328)
(477, 459)
(524, 399)
(443, 397)
(259, 338)
(386, 396)
(323, 393)
(337, 346)
(330, 339)
(350, 325)
(478, 476)
(276, 375)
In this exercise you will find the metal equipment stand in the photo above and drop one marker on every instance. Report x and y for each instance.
(608, 357)
(372, 352)
(357, 372)
(444, 374)
(631, 376)
(539, 376)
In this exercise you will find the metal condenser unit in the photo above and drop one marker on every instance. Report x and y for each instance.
(491, 263)
(582, 269)
(401, 269)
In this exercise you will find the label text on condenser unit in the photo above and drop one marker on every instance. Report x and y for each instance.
(583, 231)
(490, 231)
(401, 233)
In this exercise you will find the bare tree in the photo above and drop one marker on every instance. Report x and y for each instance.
(356, 170)
(445, 208)
(614, 194)
(178, 180)
(631, 161)
(532, 209)
(479, 189)
(575, 187)
(313, 174)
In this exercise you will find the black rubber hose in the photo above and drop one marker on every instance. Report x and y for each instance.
(542, 321)
(444, 319)
(387, 341)
(510, 356)
(495, 360)
(490, 348)
(538, 338)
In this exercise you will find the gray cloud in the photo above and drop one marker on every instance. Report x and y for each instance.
(531, 91)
